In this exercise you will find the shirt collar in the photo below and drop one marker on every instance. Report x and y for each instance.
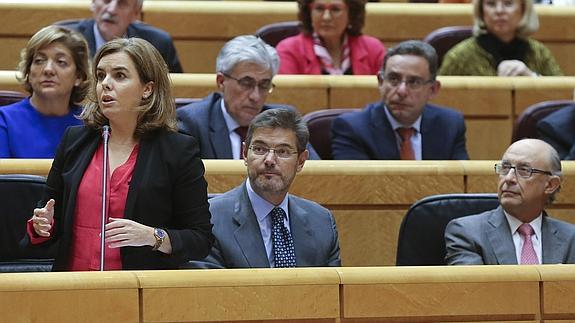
(230, 122)
(396, 124)
(100, 41)
(514, 224)
(261, 207)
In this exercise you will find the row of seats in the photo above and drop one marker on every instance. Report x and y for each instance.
(319, 122)
(420, 239)
(442, 39)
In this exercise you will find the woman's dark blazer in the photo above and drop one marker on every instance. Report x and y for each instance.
(167, 190)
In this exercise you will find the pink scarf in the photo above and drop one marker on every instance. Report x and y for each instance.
(325, 59)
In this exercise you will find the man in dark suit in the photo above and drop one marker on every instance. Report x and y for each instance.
(519, 231)
(245, 68)
(403, 125)
(558, 129)
(259, 224)
(118, 18)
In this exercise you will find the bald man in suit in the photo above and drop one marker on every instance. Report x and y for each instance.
(519, 231)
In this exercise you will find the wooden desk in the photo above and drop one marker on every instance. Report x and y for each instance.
(319, 295)
(200, 28)
(297, 295)
(432, 294)
(368, 198)
(69, 297)
(490, 105)
(557, 289)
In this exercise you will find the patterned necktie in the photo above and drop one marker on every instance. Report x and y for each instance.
(528, 255)
(406, 150)
(284, 253)
(242, 131)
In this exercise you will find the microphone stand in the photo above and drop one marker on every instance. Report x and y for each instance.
(106, 138)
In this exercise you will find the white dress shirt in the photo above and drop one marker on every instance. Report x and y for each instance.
(514, 224)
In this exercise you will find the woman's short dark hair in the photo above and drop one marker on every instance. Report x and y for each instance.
(158, 111)
(356, 13)
(70, 39)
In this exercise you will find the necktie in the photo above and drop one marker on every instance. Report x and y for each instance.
(528, 255)
(242, 131)
(282, 242)
(406, 150)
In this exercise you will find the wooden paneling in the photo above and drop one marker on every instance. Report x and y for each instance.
(368, 237)
(200, 28)
(558, 290)
(441, 293)
(69, 297)
(225, 295)
(518, 294)
(367, 198)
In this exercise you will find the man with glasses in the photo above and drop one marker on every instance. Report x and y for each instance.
(245, 68)
(259, 224)
(519, 231)
(403, 125)
(119, 18)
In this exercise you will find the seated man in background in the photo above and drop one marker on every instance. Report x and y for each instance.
(118, 18)
(558, 129)
(403, 125)
(258, 224)
(245, 69)
(519, 231)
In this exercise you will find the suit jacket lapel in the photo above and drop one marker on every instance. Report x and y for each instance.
(219, 133)
(248, 234)
(88, 33)
(302, 235)
(432, 146)
(384, 143)
(552, 247)
(141, 168)
(500, 238)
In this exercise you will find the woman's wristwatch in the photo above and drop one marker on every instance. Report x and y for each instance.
(160, 235)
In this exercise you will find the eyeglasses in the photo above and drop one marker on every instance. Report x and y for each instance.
(335, 10)
(522, 171)
(413, 83)
(249, 83)
(282, 152)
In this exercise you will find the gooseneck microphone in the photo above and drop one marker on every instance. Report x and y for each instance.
(106, 138)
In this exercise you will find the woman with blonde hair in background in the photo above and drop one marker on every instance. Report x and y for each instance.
(54, 69)
(501, 45)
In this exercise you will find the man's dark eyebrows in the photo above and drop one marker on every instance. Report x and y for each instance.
(282, 145)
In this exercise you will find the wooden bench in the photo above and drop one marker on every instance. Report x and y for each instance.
(69, 297)
(200, 28)
(305, 295)
(367, 198)
(490, 105)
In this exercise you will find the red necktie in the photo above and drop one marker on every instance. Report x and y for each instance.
(242, 132)
(406, 149)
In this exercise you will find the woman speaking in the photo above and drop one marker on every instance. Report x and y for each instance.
(158, 216)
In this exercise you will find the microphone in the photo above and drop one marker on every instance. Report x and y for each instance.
(106, 139)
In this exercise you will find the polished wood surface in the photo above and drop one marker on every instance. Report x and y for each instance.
(69, 297)
(490, 105)
(240, 295)
(368, 198)
(441, 293)
(200, 28)
(310, 295)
